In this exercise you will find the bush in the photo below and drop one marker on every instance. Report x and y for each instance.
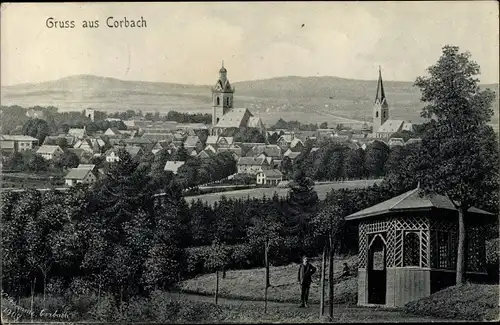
(106, 310)
(163, 308)
(138, 309)
(82, 306)
(199, 312)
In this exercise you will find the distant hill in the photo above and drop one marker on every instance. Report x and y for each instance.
(309, 99)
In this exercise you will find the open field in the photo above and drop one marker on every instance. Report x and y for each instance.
(322, 190)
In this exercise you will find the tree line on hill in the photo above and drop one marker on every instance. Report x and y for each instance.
(296, 125)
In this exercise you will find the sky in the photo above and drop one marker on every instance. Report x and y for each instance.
(186, 42)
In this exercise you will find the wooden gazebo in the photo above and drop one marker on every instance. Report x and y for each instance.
(408, 247)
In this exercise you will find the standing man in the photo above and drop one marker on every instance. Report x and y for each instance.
(306, 271)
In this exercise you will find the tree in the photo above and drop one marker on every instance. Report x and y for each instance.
(67, 160)
(287, 166)
(329, 229)
(302, 205)
(33, 162)
(265, 232)
(62, 142)
(459, 156)
(376, 156)
(180, 154)
(323, 125)
(36, 128)
(395, 159)
(354, 164)
(217, 259)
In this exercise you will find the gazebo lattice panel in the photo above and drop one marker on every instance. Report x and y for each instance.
(425, 248)
(371, 227)
(394, 228)
(391, 239)
(412, 223)
(443, 225)
(476, 253)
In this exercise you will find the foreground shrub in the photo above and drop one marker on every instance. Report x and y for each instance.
(138, 309)
(106, 310)
(163, 308)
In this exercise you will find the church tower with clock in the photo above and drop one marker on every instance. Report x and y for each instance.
(222, 96)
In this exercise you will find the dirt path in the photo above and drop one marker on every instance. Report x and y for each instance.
(342, 313)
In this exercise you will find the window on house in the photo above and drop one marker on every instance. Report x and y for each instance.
(411, 249)
(376, 114)
(218, 101)
(383, 114)
(227, 101)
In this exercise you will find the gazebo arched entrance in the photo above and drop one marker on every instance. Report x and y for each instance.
(377, 269)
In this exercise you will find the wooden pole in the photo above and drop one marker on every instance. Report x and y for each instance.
(330, 279)
(216, 286)
(266, 262)
(32, 297)
(322, 284)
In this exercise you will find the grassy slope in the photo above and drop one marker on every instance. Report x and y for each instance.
(321, 189)
(249, 284)
(469, 302)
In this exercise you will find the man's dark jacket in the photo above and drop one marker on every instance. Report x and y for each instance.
(305, 274)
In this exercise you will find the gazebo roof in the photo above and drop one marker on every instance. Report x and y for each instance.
(410, 201)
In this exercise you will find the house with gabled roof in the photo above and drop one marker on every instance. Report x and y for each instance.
(251, 165)
(211, 148)
(193, 142)
(83, 155)
(412, 141)
(83, 174)
(269, 177)
(173, 166)
(225, 141)
(17, 142)
(158, 137)
(293, 155)
(78, 133)
(157, 147)
(111, 155)
(134, 151)
(212, 140)
(89, 144)
(206, 154)
(285, 140)
(296, 145)
(50, 152)
(112, 132)
(270, 150)
(394, 142)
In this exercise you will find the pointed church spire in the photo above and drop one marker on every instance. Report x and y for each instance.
(380, 96)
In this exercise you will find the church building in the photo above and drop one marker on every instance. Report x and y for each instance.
(383, 126)
(224, 115)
